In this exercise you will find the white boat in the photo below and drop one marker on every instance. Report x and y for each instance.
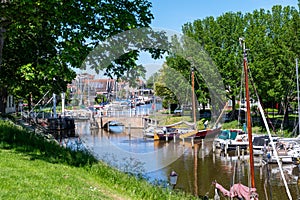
(151, 131)
(231, 139)
(115, 127)
(260, 144)
(288, 150)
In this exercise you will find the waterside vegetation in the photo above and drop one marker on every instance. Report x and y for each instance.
(35, 166)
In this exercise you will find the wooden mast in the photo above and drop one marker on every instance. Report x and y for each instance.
(249, 127)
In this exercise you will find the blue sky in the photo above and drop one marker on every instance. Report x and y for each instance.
(172, 14)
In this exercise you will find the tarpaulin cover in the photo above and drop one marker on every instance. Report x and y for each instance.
(239, 190)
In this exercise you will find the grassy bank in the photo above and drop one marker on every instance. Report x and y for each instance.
(36, 167)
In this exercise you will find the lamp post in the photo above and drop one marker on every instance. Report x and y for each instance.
(173, 179)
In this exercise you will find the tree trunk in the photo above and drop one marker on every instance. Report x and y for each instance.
(286, 114)
(3, 99)
(2, 30)
(29, 100)
(285, 120)
(233, 105)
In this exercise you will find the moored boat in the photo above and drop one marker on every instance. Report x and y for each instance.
(115, 127)
(287, 149)
(207, 133)
(232, 139)
(260, 144)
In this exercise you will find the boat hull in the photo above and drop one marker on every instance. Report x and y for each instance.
(116, 129)
(209, 133)
(166, 137)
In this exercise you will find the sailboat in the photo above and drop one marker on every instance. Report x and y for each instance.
(206, 132)
(240, 190)
(191, 132)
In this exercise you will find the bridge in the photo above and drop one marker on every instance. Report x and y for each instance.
(133, 121)
(138, 121)
(128, 119)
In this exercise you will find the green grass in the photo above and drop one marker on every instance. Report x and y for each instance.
(36, 167)
(24, 178)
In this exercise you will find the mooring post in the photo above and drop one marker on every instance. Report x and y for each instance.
(202, 143)
(214, 147)
(261, 172)
(192, 142)
(238, 151)
(183, 141)
(243, 153)
(129, 130)
(260, 160)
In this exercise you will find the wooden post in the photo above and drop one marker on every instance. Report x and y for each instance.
(202, 143)
(260, 160)
(192, 142)
(238, 151)
(243, 153)
(183, 141)
(129, 130)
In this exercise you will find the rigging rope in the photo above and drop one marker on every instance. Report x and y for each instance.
(271, 139)
(241, 95)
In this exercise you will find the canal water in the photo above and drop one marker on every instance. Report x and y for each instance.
(197, 167)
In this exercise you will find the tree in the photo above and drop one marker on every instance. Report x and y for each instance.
(188, 55)
(272, 39)
(44, 38)
(219, 38)
(151, 80)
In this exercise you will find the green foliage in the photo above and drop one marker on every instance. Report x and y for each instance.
(164, 90)
(168, 119)
(151, 80)
(272, 37)
(100, 98)
(232, 124)
(200, 124)
(39, 50)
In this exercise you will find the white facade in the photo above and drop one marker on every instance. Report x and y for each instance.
(10, 104)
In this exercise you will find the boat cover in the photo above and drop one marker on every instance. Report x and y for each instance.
(239, 190)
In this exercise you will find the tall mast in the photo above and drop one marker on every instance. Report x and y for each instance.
(249, 127)
(193, 99)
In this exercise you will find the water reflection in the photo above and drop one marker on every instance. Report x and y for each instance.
(196, 167)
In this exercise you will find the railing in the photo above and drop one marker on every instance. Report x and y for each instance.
(110, 113)
(125, 113)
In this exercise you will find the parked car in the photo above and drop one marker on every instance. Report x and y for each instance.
(178, 112)
(237, 114)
